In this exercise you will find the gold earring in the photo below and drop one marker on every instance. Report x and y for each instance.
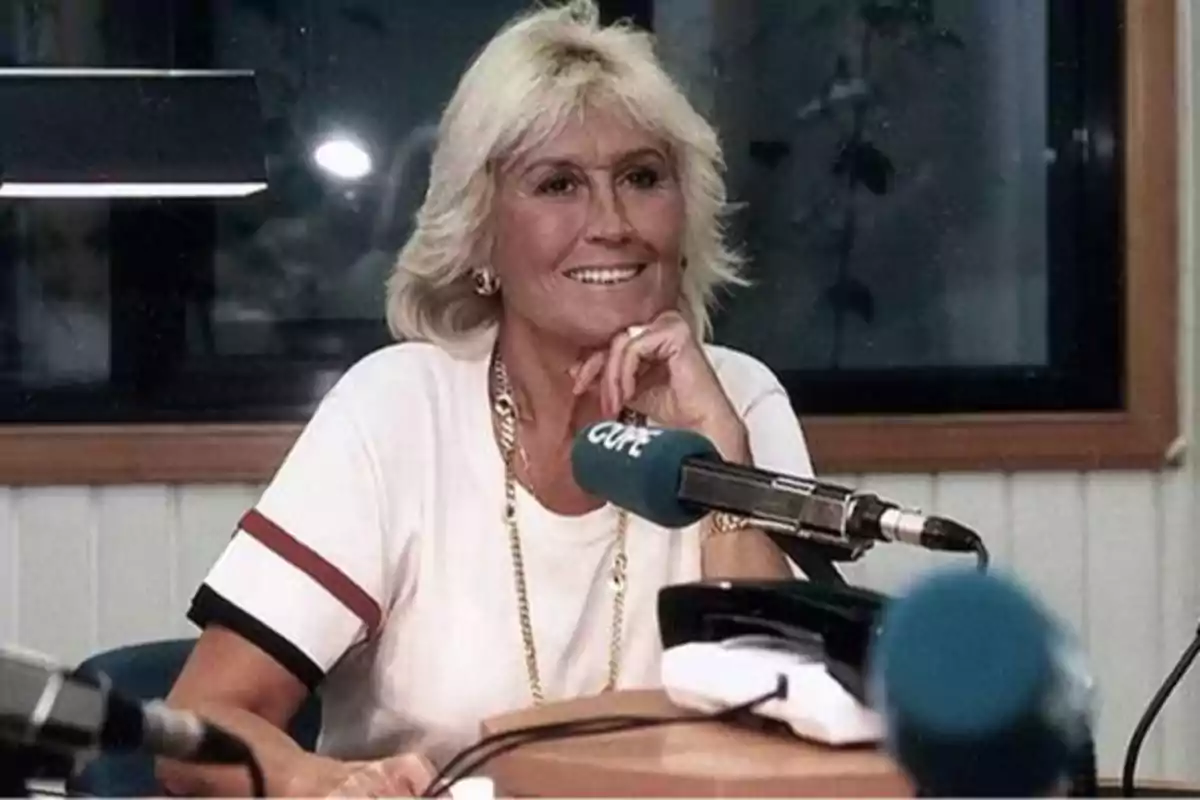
(486, 282)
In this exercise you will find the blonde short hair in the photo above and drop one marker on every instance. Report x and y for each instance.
(541, 68)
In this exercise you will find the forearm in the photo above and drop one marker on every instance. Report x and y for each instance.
(748, 553)
(288, 770)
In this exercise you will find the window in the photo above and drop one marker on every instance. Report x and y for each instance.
(239, 309)
(937, 214)
(934, 202)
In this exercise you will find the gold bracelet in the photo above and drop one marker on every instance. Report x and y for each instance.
(722, 522)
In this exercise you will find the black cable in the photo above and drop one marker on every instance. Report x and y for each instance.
(981, 554)
(510, 740)
(471, 766)
(472, 758)
(579, 728)
(548, 730)
(258, 781)
(1156, 704)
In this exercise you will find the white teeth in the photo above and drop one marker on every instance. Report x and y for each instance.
(604, 276)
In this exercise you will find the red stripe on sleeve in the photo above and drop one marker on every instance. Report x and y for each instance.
(305, 559)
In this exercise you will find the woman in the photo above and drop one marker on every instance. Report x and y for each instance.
(424, 555)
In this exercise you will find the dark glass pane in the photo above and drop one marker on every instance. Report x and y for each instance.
(932, 190)
(932, 200)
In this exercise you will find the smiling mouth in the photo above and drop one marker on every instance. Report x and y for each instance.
(605, 276)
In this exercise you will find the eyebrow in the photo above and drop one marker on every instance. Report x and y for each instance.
(624, 158)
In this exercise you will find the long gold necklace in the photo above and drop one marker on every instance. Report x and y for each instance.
(504, 406)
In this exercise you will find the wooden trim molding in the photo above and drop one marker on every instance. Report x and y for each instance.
(101, 454)
(1139, 437)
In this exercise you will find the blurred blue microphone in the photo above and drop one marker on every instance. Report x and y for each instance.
(984, 694)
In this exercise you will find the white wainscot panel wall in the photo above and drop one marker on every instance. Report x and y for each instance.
(1113, 554)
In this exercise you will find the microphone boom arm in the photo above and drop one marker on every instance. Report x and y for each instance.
(807, 509)
(818, 512)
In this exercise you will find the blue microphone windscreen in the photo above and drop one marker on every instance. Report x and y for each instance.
(638, 468)
(966, 669)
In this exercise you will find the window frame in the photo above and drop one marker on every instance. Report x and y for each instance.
(1141, 435)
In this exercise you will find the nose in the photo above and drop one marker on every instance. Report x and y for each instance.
(607, 221)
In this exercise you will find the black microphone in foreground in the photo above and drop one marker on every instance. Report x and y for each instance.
(674, 477)
(50, 709)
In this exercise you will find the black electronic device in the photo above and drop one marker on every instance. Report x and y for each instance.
(845, 619)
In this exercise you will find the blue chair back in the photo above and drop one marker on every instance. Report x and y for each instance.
(147, 672)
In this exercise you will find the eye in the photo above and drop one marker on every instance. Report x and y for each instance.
(557, 185)
(644, 177)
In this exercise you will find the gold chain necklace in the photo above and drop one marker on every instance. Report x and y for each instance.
(505, 407)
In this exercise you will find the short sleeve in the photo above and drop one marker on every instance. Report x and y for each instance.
(303, 577)
(776, 440)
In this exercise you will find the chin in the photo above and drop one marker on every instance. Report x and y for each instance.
(593, 324)
(600, 331)
(589, 338)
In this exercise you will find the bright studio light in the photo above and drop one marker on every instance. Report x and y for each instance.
(342, 158)
(129, 190)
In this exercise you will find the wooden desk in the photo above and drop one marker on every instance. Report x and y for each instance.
(701, 760)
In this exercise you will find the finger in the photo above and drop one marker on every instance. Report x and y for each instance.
(629, 373)
(639, 359)
(642, 343)
(669, 338)
(410, 773)
(587, 372)
(365, 781)
(672, 329)
(406, 775)
(673, 316)
(642, 356)
(611, 399)
(423, 772)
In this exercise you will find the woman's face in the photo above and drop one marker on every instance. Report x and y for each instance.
(587, 231)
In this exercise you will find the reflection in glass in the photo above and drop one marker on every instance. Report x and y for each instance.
(352, 93)
(898, 162)
(894, 159)
(61, 293)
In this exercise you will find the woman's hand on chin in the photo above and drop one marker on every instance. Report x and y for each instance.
(661, 370)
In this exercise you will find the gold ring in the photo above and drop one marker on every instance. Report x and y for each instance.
(635, 331)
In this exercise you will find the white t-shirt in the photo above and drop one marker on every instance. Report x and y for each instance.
(376, 564)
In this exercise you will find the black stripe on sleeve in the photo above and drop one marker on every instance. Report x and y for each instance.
(210, 608)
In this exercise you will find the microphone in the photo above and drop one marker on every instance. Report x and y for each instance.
(50, 709)
(675, 477)
(982, 693)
